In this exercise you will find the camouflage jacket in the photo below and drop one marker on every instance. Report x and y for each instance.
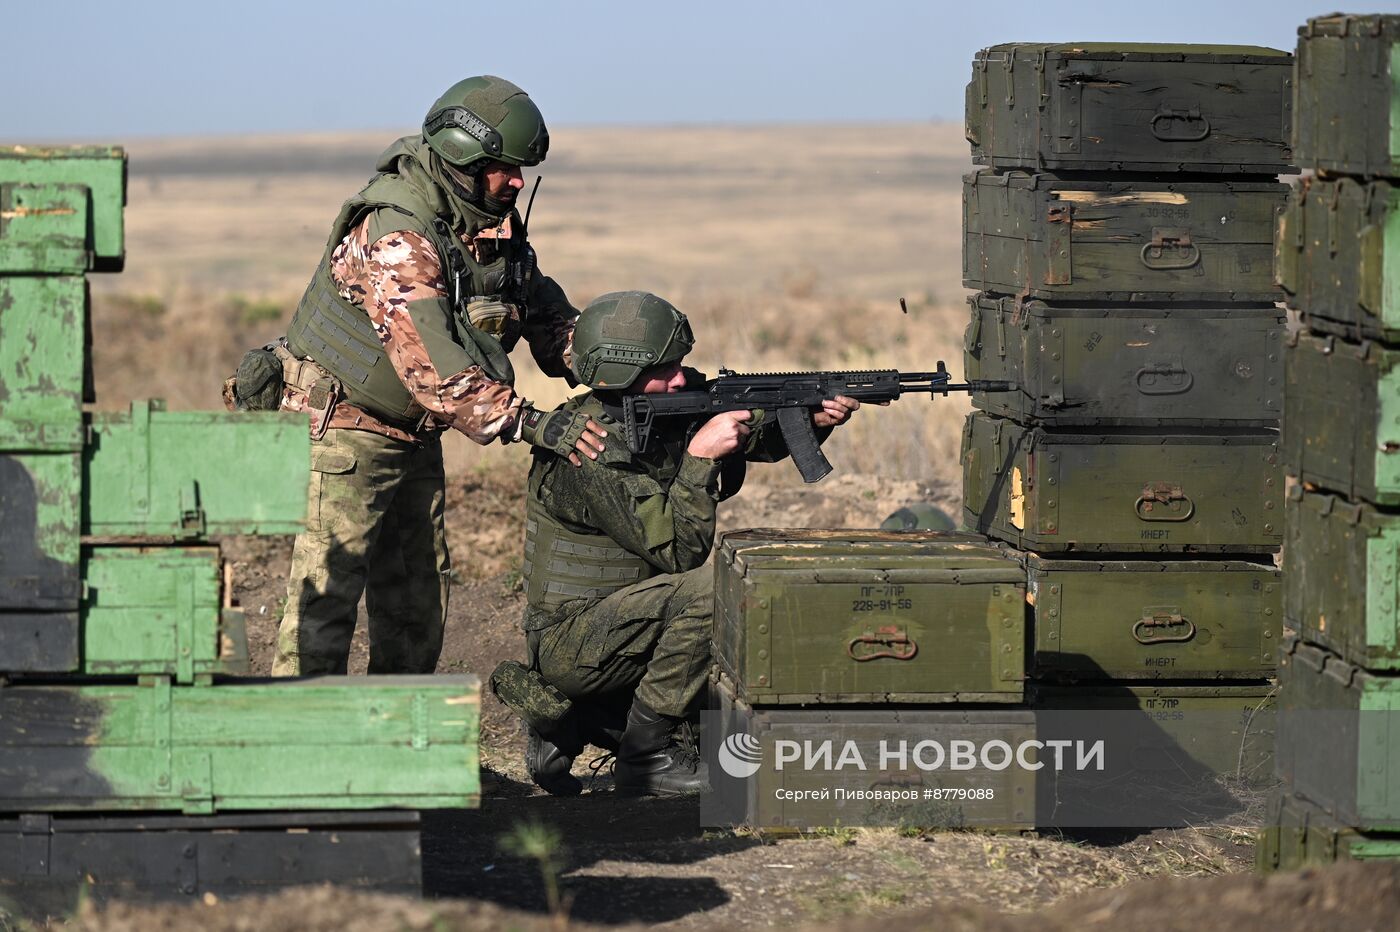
(659, 505)
(385, 275)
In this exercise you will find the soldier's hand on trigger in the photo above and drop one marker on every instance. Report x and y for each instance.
(721, 435)
(835, 411)
(566, 433)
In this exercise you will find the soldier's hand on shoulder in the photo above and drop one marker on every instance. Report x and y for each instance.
(567, 433)
(835, 411)
(721, 435)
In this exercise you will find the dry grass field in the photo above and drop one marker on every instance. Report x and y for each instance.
(787, 247)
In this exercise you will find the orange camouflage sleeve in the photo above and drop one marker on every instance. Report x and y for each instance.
(383, 277)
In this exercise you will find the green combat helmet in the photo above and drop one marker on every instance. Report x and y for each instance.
(919, 516)
(621, 333)
(486, 117)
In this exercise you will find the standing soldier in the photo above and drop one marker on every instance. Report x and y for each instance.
(621, 604)
(426, 284)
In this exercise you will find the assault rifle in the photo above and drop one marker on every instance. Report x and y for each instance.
(793, 395)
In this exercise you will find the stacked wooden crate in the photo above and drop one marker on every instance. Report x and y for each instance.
(132, 758)
(1339, 262)
(1120, 237)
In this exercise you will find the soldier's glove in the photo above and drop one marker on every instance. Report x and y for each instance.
(559, 431)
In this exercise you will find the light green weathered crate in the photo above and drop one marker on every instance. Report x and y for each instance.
(1129, 490)
(1127, 365)
(819, 617)
(159, 610)
(1339, 736)
(1298, 834)
(43, 320)
(1145, 619)
(1341, 431)
(1347, 116)
(1229, 731)
(1338, 255)
(1043, 236)
(1341, 575)
(1131, 107)
(188, 474)
(317, 743)
(61, 209)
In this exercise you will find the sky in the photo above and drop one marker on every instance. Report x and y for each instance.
(90, 70)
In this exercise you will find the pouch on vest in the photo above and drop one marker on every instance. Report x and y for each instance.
(320, 404)
(499, 319)
(484, 349)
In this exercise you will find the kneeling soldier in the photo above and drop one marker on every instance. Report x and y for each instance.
(620, 601)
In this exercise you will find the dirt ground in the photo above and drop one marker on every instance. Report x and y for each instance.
(630, 861)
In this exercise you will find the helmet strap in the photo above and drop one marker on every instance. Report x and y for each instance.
(465, 184)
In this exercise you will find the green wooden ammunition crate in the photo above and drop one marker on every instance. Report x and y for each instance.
(1229, 731)
(160, 610)
(1341, 577)
(1132, 107)
(1125, 366)
(1128, 491)
(813, 616)
(791, 798)
(1299, 834)
(61, 209)
(43, 321)
(1042, 236)
(1339, 736)
(1347, 116)
(1342, 427)
(185, 475)
(1338, 256)
(316, 743)
(1183, 619)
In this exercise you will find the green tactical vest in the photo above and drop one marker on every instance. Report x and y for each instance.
(339, 336)
(562, 565)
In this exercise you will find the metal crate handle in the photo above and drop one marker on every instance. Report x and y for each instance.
(1186, 118)
(1160, 620)
(1164, 378)
(886, 641)
(1164, 241)
(1162, 493)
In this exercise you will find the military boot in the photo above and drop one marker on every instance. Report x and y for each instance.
(658, 757)
(549, 760)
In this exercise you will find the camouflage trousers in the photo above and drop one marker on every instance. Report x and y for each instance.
(374, 526)
(651, 639)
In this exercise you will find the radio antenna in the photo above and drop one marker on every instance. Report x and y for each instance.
(531, 205)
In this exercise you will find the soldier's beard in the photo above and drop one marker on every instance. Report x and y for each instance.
(499, 207)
